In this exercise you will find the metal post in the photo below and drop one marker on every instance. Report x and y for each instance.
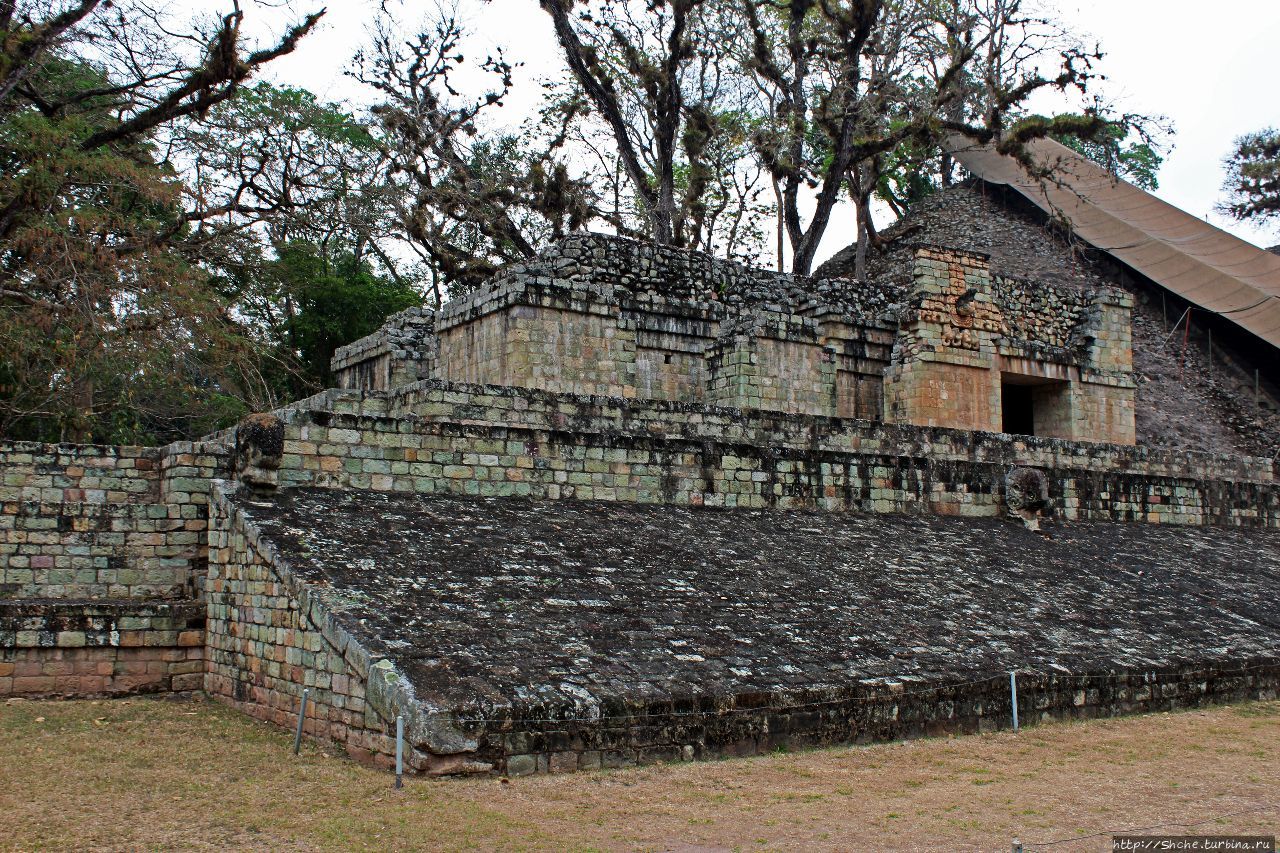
(1017, 846)
(1186, 337)
(400, 752)
(302, 715)
(1013, 692)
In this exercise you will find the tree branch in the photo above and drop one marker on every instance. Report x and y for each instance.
(213, 82)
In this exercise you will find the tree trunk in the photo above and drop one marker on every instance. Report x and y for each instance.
(781, 228)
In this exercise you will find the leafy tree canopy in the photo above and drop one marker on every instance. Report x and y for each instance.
(331, 301)
(1253, 178)
(1114, 147)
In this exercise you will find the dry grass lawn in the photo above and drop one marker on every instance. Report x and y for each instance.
(167, 774)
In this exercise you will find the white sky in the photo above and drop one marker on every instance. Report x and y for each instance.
(1212, 69)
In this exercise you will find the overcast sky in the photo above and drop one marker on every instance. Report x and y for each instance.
(1212, 69)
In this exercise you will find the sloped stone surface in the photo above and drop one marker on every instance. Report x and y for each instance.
(522, 604)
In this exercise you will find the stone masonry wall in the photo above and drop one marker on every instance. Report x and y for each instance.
(773, 362)
(602, 315)
(95, 522)
(264, 649)
(108, 526)
(67, 648)
(753, 725)
(270, 637)
(102, 564)
(673, 641)
(544, 346)
(446, 438)
(271, 634)
(402, 351)
(965, 332)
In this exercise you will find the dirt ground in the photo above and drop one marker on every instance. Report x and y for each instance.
(190, 774)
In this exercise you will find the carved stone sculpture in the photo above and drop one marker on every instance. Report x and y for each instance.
(1026, 495)
(259, 448)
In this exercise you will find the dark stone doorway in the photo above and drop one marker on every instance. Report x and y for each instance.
(1017, 409)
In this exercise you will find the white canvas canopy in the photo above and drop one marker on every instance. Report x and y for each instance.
(1203, 264)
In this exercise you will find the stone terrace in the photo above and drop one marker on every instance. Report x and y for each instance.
(575, 634)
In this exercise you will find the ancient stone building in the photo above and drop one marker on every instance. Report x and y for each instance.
(627, 504)
(954, 346)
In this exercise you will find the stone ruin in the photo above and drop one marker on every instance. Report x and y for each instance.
(957, 347)
(630, 504)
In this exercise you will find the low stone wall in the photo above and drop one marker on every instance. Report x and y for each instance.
(96, 521)
(102, 564)
(449, 438)
(100, 648)
(402, 351)
(685, 729)
(266, 645)
(271, 634)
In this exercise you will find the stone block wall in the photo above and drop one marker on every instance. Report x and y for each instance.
(861, 354)
(271, 633)
(938, 393)
(264, 649)
(270, 636)
(1102, 408)
(966, 332)
(109, 648)
(672, 341)
(684, 730)
(476, 351)
(402, 351)
(94, 522)
(537, 337)
(772, 361)
(601, 315)
(102, 563)
(274, 630)
(447, 438)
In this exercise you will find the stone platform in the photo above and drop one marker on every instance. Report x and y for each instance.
(520, 635)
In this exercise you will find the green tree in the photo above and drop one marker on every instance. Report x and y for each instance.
(1253, 178)
(467, 197)
(277, 161)
(107, 331)
(318, 303)
(96, 306)
(1115, 148)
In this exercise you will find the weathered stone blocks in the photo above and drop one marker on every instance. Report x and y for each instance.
(688, 651)
(69, 648)
(968, 334)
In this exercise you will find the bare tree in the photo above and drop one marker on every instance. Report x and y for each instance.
(468, 198)
(665, 119)
(613, 32)
(841, 85)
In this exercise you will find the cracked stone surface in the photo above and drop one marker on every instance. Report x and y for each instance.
(509, 601)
